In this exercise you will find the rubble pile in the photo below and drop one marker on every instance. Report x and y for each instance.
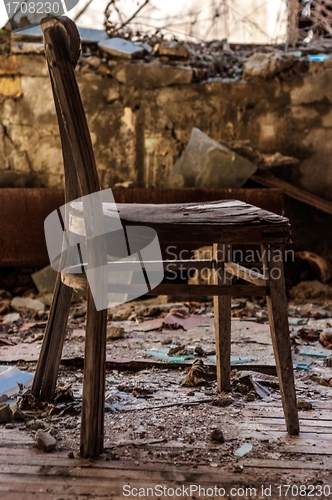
(192, 61)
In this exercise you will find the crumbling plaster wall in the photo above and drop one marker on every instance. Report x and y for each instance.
(140, 121)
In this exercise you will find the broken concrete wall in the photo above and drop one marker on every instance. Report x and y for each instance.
(141, 115)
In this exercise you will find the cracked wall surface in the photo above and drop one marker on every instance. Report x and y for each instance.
(140, 118)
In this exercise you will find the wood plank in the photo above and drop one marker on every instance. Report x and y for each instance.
(153, 265)
(25, 483)
(221, 212)
(280, 426)
(175, 228)
(285, 464)
(305, 424)
(311, 447)
(103, 479)
(308, 415)
(317, 404)
(278, 319)
(245, 274)
(79, 282)
(216, 290)
(45, 495)
(222, 318)
(279, 420)
(268, 199)
(44, 382)
(83, 484)
(194, 234)
(55, 461)
(269, 180)
(80, 484)
(12, 437)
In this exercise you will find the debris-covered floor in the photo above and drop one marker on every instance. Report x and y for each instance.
(164, 420)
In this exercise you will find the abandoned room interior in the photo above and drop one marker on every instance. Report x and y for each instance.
(165, 249)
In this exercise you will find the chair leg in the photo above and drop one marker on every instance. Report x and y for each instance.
(45, 378)
(92, 426)
(278, 319)
(222, 321)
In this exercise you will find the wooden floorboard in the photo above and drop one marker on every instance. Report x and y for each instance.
(29, 474)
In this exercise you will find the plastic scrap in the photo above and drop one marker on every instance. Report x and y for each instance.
(297, 321)
(318, 57)
(302, 365)
(11, 377)
(206, 163)
(162, 354)
(235, 360)
(314, 352)
(246, 448)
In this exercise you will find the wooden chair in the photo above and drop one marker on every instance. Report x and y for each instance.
(218, 224)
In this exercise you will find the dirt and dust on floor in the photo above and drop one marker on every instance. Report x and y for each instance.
(162, 407)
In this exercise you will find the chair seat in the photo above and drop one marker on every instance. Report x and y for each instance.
(229, 220)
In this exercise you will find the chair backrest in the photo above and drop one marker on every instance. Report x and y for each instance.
(62, 49)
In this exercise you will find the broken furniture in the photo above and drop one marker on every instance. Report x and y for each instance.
(220, 223)
(23, 211)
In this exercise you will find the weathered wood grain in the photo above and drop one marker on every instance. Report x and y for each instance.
(222, 318)
(79, 282)
(245, 274)
(62, 44)
(278, 320)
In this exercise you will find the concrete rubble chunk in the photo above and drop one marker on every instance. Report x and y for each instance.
(26, 304)
(34, 34)
(148, 49)
(93, 61)
(207, 164)
(121, 48)
(302, 404)
(45, 441)
(5, 413)
(115, 332)
(90, 35)
(152, 75)
(113, 94)
(263, 65)
(18, 414)
(173, 49)
(35, 425)
(44, 279)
